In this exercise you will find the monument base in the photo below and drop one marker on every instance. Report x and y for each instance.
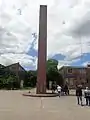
(40, 95)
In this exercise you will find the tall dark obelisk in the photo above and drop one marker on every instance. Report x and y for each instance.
(42, 51)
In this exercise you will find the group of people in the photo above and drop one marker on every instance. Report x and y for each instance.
(79, 95)
(61, 90)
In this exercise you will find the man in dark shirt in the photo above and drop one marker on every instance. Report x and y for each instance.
(79, 94)
(66, 90)
(53, 87)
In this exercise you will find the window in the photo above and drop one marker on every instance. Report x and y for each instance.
(88, 65)
(70, 70)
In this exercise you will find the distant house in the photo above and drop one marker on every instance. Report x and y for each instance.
(74, 75)
(18, 70)
(1, 66)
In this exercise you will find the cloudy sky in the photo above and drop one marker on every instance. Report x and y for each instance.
(68, 31)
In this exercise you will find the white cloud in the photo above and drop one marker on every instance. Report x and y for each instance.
(23, 59)
(66, 62)
(86, 63)
(69, 36)
(68, 23)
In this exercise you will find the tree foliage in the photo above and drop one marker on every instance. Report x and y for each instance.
(52, 72)
(31, 78)
(8, 80)
(52, 63)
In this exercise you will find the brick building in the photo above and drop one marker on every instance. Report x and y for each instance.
(88, 75)
(17, 69)
(74, 75)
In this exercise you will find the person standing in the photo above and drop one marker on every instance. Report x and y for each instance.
(59, 90)
(79, 94)
(87, 96)
(66, 90)
(53, 87)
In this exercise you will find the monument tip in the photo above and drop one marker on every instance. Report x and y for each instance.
(43, 5)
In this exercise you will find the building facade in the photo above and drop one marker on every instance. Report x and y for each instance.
(74, 75)
(18, 70)
(88, 75)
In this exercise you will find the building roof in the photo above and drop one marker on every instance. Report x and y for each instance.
(14, 65)
(74, 67)
(2, 66)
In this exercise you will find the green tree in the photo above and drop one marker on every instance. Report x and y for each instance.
(12, 82)
(52, 70)
(8, 79)
(31, 78)
(52, 63)
(53, 73)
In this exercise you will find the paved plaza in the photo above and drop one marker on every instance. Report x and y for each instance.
(14, 106)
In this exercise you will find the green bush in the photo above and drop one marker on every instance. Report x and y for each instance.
(8, 80)
(31, 78)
